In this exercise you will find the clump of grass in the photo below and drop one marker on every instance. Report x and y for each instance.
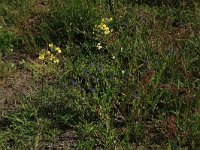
(62, 23)
(6, 68)
(7, 41)
(26, 125)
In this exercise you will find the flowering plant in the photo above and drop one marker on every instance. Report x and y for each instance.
(50, 54)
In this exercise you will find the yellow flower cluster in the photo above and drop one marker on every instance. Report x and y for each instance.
(50, 55)
(103, 25)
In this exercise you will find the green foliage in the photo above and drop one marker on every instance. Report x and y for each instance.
(6, 68)
(27, 125)
(7, 40)
(62, 23)
(135, 87)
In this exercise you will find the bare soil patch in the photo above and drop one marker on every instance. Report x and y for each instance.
(19, 83)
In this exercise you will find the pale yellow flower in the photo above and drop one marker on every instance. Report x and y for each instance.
(106, 28)
(56, 61)
(52, 57)
(48, 52)
(51, 45)
(100, 27)
(106, 32)
(104, 25)
(58, 49)
(110, 19)
(41, 56)
(99, 46)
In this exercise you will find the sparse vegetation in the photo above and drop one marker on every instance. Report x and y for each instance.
(99, 74)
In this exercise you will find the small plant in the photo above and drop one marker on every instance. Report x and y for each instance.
(6, 69)
(103, 26)
(49, 56)
(7, 40)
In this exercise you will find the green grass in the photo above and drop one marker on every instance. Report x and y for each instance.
(141, 90)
